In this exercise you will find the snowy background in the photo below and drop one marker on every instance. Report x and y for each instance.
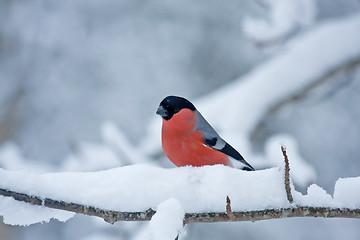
(80, 83)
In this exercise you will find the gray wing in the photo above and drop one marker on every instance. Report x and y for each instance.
(214, 141)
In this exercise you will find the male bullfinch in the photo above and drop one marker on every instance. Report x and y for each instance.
(188, 139)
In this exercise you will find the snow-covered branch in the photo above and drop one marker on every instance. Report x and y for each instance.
(344, 68)
(264, 197)
(111, 216)
(284, 18)
(108, 215)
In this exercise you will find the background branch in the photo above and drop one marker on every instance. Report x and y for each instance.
(347, 67)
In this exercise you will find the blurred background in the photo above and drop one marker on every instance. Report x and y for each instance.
(80, 82)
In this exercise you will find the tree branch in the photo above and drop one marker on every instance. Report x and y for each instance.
(259, 130)
(111, 216)
(108, 215)
(302, 211)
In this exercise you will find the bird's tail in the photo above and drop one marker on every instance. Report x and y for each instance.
(248, 169)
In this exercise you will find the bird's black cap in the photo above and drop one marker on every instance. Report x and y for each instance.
(173, 104)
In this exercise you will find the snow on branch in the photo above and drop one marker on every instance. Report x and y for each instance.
(344, 204)
(111, 216)
(108, 215)
(344, 68)
(284, 18)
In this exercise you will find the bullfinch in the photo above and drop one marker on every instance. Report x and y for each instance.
(188, 139)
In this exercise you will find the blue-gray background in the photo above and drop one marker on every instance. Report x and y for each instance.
(68, 66)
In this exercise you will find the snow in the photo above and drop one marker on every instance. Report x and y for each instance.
(11, 151)
(12, 158)
(20, 213)
(316, 197)
(347, 192)
(91, 157)
(285, 17)
(114, 150)
(346, 195)
(167, 223)
(140, 187)
(116, 139)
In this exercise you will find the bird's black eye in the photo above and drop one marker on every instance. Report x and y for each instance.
(169, 109)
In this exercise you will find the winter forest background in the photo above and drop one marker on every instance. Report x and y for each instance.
(80, 82)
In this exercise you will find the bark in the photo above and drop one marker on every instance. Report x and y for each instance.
(287, 176)
(112, 216)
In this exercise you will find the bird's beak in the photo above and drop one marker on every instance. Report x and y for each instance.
(162, 111)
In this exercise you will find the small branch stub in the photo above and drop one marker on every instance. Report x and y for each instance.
(228, 209)
(287, 175)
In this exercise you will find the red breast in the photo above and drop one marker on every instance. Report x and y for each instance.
(185, 146)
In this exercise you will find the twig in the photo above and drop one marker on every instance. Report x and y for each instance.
(287, 176)
(228, 209)
(112, 216)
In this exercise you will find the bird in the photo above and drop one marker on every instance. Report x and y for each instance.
(188, 139)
